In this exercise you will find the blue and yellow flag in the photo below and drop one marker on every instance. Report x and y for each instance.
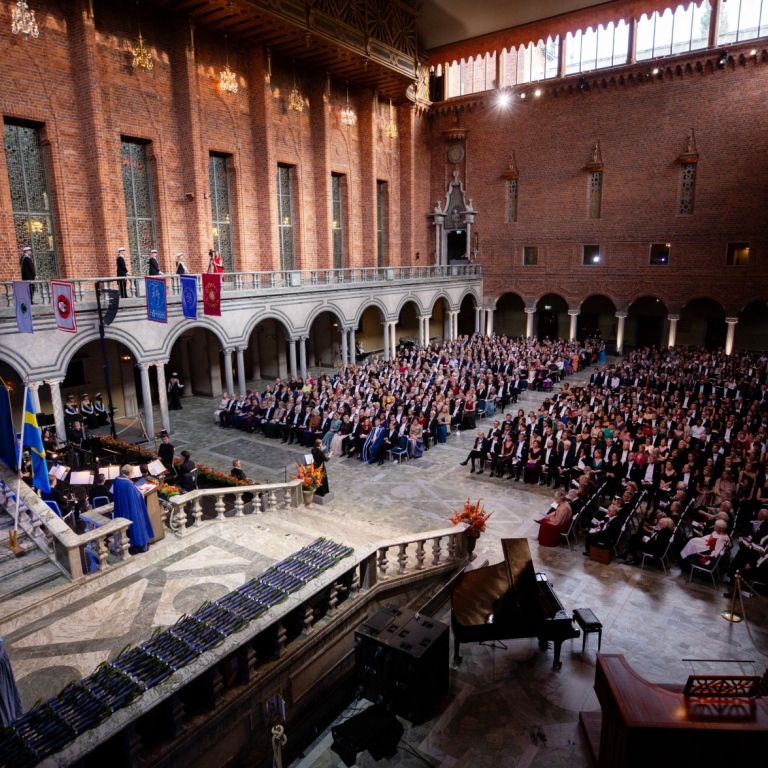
(33, 440)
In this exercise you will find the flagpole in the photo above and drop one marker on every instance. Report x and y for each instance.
(21, 448)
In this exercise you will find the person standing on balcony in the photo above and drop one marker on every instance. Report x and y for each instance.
(122, 271)
(181, 268)
(154, 266)
(215, 263)
(28, 271)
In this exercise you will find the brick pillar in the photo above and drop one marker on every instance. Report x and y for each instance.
(193, 160)
(262, 120)
(367, 207)
(102, 157)
(319, 116)
(407, 115)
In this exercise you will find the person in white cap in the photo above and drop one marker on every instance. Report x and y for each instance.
(154, 266)
(122, 271)
(28, 271)
(174, 392)
(181, 267)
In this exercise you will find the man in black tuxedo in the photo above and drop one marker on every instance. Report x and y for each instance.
(122, 272)
(519, 456)
(478, 452)
(99, 489)
(154, 265)
(565, 462)
(606, 533)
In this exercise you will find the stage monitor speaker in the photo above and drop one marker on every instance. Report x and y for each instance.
(375, 729)
(402, 659)
(112, 297)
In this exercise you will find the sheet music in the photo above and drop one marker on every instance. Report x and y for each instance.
(59, 472)
(156, 467)
(110, 472)
(82, 477)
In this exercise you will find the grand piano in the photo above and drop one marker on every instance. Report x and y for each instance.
(507, 601)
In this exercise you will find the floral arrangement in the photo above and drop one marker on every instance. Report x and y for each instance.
(167, 490)
(311, 476)
(203, 472)
(474, 515)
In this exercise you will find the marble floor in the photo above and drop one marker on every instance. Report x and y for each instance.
(505, 707)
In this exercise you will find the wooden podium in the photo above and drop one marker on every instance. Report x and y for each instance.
(645, 724)
(155, 512)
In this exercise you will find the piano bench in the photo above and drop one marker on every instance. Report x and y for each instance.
(589, 623)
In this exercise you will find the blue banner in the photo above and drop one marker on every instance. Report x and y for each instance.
(157, 304)
(22, 295)
(189, 296)
(34, 441)
(8, 446)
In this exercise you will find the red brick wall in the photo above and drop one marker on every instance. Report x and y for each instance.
(642, 123)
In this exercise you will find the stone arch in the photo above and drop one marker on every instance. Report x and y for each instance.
(267, 336)
(647, 324)
(14, 377)
(404, 300)
(702, 323)
(271, 314)
(552, 316)
(751, 331)
(320, 309)
(180, 330)
(597, 317)
(465, 321)
(436, 298)
(371, 302)
(477, 301)
(509, 317)
(65, 354)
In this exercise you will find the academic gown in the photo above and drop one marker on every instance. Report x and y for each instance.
(130, 504)
(371, 446)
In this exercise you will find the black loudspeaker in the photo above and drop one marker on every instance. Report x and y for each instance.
(401, 659)
(112, 297)
(374, 729)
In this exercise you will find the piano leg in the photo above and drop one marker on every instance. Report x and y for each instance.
(544, 645)
(456, 646)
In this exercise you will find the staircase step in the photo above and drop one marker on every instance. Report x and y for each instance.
(31, 577)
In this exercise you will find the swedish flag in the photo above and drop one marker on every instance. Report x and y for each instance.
(32, 438)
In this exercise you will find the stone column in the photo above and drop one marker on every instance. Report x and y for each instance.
(230, 384)
(292, 356)
(478, 316)
(672, 329)
(421, 331)
(530, 311)
(33, 387)
(385, 325)
(573, 314)
(162, 394)
(58, 408)
(489, 321)
(344, 347)
(146, 394)
(731, 321)
(622, 318)
(303, 357)
(393, 341)
(240, 353)
(352, 346)
(426, 330)
(632, 41)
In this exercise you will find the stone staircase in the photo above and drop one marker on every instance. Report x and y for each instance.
(23, 573)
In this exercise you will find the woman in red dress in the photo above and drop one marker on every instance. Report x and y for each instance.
(216, 263)
(556, 522)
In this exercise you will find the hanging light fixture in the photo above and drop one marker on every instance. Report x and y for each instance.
(391, 128)
(23, 20)
(295, 102)
(227, 78)
(348, 116)
(142, 56)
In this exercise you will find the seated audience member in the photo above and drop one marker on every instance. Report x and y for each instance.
(477, 453)
(556, 522)
(650, 540)
(606, 533)
(702, 550)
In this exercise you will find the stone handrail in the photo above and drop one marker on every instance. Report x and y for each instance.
(62, 545)
(277, 495)
(325, 602)
(249, 282)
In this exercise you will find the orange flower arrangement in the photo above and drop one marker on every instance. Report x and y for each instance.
(474, 515)
(311, 477)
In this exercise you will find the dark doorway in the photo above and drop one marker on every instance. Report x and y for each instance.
(547, 325)
(649, 330)
(457, 244)
(588, 325)
(717, 330)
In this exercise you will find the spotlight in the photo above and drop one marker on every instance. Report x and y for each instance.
(503, 100)
(522, 95)
(537, 92)
(582, 84)
(723, 58)
(596, 259)
(753, 52)
(656, 71)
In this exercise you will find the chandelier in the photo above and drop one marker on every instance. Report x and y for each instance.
(227, 78)
(142, 56)
(391, 129)
(295, 102)
(348, 116)
(23, 20)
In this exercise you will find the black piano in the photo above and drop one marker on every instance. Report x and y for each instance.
(507, 601)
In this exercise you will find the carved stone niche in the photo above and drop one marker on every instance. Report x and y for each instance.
(453, 219)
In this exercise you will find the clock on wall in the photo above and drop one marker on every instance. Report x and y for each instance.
(455, 153)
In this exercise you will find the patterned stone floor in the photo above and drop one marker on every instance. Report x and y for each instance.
(505, 707)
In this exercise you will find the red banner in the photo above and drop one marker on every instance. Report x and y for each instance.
(63, 305)
(212, 294)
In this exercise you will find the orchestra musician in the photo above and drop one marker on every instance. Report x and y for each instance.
(165, 453)
(77, 443)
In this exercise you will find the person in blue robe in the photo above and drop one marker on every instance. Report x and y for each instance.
(130, 504)
(373, 443)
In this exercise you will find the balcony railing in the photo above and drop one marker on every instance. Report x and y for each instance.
(256, 282)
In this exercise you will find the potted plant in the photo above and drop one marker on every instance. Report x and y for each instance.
(311, 478)
(475, 518)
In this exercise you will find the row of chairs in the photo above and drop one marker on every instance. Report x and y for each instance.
(592, 504)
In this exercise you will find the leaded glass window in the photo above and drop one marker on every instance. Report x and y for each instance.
(218, 176)
(381, 223)
(687, 189)
(511, 200)
(595, 194)
(30, 200)
(337, 223)
(285, 215)
(137, 189)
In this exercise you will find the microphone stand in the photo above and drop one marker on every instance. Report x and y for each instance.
(106, 364)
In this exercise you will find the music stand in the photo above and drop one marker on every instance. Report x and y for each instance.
(59, 472)
(110, 472)
(135, 472)
(81, 477)
(156, 467)
(308, 459)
